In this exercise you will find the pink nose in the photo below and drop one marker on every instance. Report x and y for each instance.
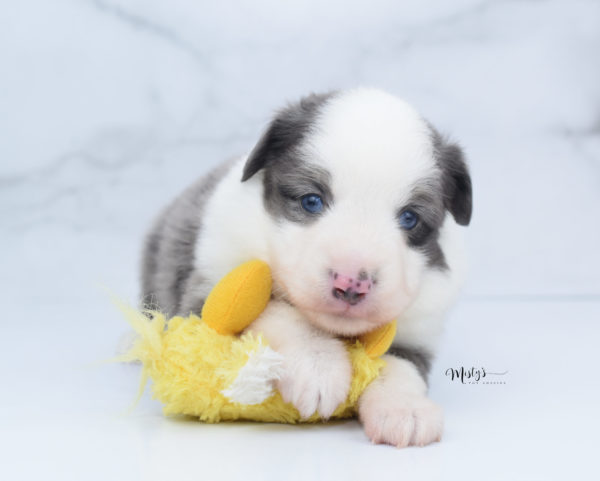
(351, 289)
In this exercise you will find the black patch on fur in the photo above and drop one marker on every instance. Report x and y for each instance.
(287, 175)
(420, 358)
(456, 180)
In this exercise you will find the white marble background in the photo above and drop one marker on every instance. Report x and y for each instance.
(108, 108)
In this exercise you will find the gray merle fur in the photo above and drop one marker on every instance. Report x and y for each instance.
(285, 133)
(428, 203)
(456, 181)
(168, 256)
(420, 358)
(431, 198)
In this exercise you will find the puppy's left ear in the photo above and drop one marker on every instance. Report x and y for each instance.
(458, 192)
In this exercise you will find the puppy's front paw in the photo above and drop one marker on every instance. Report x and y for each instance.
(316, 379)
(408, 420)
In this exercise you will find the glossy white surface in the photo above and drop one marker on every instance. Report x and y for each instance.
(64, 415)
(109, 108)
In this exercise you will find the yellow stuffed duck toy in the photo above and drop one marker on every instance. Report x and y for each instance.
(202, 367)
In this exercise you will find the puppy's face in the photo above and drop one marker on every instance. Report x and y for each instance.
(358, 187)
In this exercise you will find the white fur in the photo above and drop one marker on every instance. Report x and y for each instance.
(235, 226)
(310, 358)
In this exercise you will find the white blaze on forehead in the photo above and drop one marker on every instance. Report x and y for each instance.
(372, 142)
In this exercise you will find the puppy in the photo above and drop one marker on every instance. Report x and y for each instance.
(358, 205)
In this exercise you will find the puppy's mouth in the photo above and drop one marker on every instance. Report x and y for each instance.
(345, 311)
(342, 318)
(346, 323)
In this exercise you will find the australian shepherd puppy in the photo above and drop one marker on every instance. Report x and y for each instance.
(358, 205)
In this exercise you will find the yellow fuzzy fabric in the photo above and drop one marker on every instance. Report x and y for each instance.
(190, 364)
(194, 363)
(238, 298)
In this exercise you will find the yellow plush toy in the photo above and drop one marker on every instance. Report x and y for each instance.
(201, 367)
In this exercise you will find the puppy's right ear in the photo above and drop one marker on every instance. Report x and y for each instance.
(274, 142)
(285, 132)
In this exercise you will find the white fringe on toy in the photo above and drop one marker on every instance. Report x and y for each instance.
(255, 381)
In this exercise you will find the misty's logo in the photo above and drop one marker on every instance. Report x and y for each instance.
(474, 375)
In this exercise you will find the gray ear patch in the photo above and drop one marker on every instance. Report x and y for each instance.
(285, 133)
(456, 180)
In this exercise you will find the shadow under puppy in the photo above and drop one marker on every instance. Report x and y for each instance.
(358, 205)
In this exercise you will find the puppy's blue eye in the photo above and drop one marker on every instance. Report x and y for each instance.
(408, 219)
(312, 203)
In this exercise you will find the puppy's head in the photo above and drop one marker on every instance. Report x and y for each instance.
(358, 186)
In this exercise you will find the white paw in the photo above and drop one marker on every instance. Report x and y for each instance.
(316, 379)
(410, 419)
